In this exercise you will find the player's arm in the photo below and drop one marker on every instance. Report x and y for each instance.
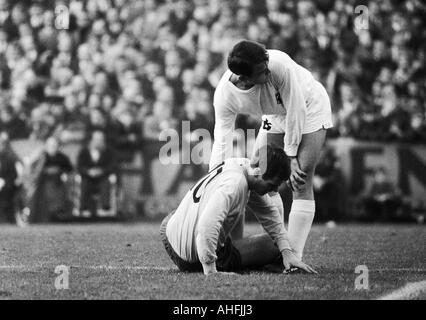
(220, 204)
(269, 217)
(295, 103)
(223, 130)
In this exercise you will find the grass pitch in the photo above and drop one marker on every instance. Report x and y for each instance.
(127, 261)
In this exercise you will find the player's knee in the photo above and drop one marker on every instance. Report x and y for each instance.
(304, 192)
(308, 181)
(308, 167)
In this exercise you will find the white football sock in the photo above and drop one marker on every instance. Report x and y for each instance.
(299, 224)
(276, 199)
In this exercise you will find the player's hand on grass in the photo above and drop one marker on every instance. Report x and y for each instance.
(210, 270)
(297, 176)
(291, 260)
(221, 273)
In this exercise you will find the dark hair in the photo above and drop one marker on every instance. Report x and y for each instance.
(277, 162)
(245, 55)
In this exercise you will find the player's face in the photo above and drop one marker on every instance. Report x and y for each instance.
(260, 73)
(263, 186)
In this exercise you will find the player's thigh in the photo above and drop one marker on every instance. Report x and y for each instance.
(310, 150)
(256, 251)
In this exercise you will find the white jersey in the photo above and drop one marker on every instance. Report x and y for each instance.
(286, 94)
(211, 208)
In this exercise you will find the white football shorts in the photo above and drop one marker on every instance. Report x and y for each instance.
(318, 114)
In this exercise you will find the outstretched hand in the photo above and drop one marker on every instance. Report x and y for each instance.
(291, 260)
(221, 274)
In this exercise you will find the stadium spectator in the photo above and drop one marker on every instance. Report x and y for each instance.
(42, 122)
(49, 199)
(162, 116)
(328, 187)
(382, 200)
(12, 124)
(72, 128)
(8, 177)
(127, 135)
(19, 195)
(96, 163)
(99, 121)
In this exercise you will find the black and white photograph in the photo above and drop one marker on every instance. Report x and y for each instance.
(212, 153)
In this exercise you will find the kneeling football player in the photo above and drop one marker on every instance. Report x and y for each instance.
(197, 235)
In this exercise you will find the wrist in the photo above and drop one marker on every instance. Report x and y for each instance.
(209, 268)
(286, 250)
(284, 243)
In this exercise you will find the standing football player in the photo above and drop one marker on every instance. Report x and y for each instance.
(295, 111)
(197, 234)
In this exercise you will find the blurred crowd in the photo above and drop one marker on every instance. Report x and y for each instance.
(133, 68)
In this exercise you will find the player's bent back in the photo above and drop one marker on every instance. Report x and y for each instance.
(197, 228)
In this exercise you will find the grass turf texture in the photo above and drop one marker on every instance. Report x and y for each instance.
(120, 261)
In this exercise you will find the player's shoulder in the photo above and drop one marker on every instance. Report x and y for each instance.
(278, 56)
(222, 91)
(279, 63)
(223, 82)
(235, 170)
